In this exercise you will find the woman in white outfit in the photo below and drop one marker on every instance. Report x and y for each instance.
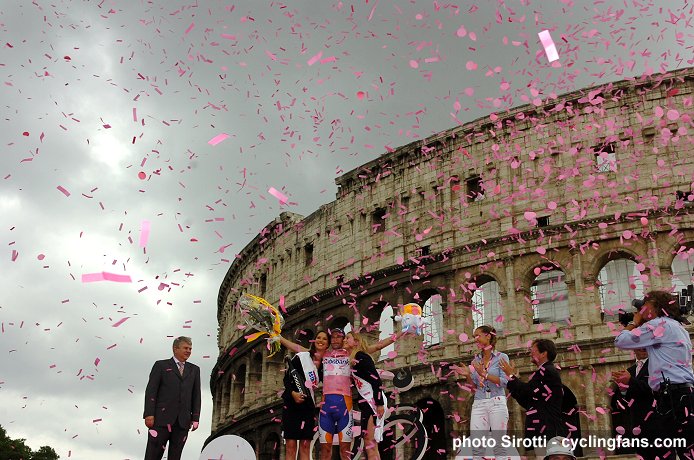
(489, 417)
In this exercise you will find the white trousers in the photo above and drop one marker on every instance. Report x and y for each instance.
(489, 418)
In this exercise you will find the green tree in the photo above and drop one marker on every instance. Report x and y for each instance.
(16, 449)
(45, 453)
(13, 449)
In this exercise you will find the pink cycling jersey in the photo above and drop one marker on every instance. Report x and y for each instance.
(337, 376)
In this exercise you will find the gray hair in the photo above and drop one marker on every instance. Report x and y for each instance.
(177, 341)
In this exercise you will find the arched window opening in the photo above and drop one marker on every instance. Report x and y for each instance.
(549, 296)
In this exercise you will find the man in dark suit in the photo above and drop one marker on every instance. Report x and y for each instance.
(541, 396)
(172, 402)
(637, 399)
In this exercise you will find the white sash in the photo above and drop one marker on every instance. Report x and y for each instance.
(310, 372)
(367, 393)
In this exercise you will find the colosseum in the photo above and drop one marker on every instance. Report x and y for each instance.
(543, 221)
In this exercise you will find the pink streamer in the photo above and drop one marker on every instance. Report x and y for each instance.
(144, 233)
(119, 322)
(279, 195)
(315, 58)
(548, 43)
(218, 138)
(62, 189)
(105, 276)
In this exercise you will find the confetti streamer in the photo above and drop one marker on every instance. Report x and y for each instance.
(144, 233)
(218, 138)
(105, 276)
(279, 195)
(314, 59)
(548, 43)
(121, 321)
(62, 189)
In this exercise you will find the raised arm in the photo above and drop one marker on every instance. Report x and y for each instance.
(292, 346)
(381, 344)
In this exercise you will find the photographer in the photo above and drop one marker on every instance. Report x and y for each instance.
(657, 328)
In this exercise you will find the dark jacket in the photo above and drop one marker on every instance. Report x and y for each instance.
(639, 402)
(290, 385)
(172, 398)
(541, 397)
(365, 368)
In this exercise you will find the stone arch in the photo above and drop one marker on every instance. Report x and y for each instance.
(618, 282)
(682, 266)
(228, 389)
(271, 447)
(432, 303)
(549, 294)
(238, 386)
(485, 300)
(604, 255)
(255, 372)
(338, 321)
(435, 421)
(527, 270)
(377, 322)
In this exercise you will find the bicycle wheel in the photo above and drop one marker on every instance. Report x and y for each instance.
(404, 429)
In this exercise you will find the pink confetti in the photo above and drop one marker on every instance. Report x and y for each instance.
(62, 189)
(190, 27)
(15, 254)
(277, 194)
(97, 361)
(228, 36)
(41, 256)
(463, 337)
(142, 175)
(471, 65)
(218, 138)
(414, 64)
(121, 321)
(673, 115)
(360, 95)
(461, 32)
(153, 433)
(315, 58)
(144, 233)
(105, 276)
(548, 43)
(135, 114)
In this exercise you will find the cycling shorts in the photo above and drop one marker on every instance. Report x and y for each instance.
(335, 419)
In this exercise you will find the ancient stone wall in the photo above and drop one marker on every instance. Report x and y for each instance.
(598, 175)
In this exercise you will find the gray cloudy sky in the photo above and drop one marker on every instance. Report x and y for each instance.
(96, 92)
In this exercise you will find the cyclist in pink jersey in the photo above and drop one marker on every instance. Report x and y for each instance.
(336, 412)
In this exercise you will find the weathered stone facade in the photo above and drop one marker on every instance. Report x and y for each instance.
(502, 199)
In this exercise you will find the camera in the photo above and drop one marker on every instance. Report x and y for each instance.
(625, 318)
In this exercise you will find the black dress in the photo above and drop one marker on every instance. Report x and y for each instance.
(365, 368)
(298, 420)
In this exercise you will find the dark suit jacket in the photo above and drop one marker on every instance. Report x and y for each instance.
(172, 398)
(541, 397)
(640, 401)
